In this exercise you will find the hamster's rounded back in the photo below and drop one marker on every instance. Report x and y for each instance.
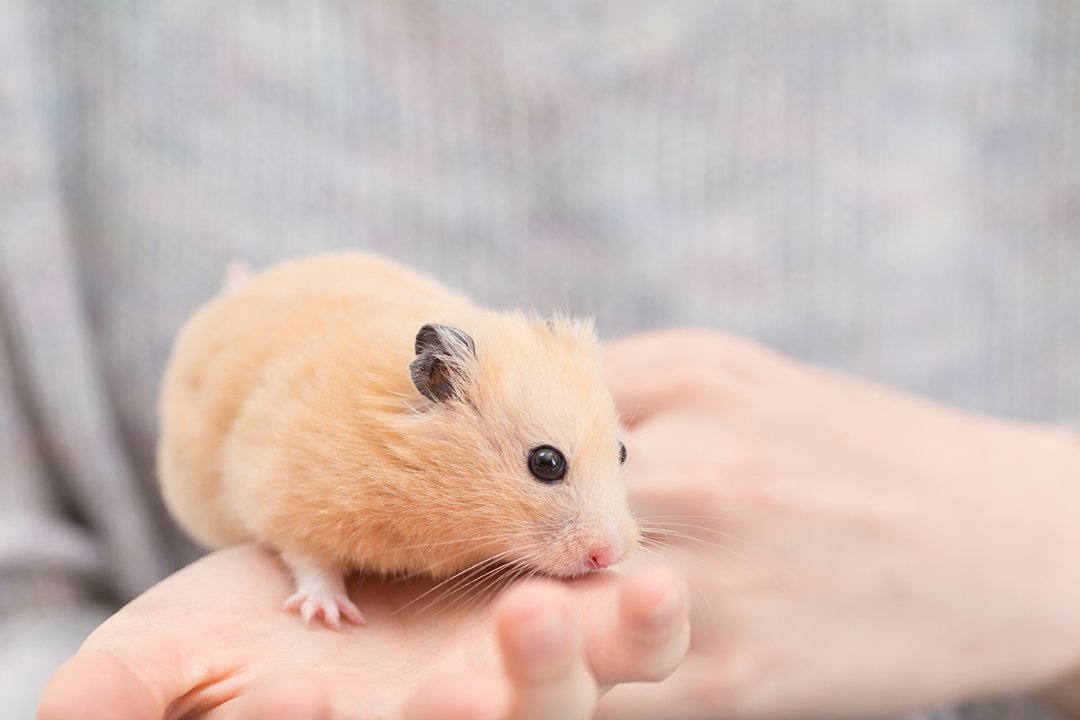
(346, 409)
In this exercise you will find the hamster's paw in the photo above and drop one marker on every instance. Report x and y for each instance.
(320, 592)
(331, 608)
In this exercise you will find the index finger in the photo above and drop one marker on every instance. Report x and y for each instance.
(652, 371)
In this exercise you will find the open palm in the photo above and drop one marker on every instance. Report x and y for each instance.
(212, 642)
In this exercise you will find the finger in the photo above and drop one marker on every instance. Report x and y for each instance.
(649, 634)
(284, 698)
(648, 370)
(539, 636)
(457, 696)
(95, 685)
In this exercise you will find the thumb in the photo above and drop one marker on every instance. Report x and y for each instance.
(96, 685)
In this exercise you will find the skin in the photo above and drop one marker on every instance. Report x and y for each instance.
(851, 551)
(212, 642)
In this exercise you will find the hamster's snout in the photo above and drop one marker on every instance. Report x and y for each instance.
(591, 539)
(605, 549)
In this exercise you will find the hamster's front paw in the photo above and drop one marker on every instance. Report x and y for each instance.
(331, 608)
(320, 592)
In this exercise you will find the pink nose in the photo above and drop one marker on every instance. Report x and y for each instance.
(603, 555)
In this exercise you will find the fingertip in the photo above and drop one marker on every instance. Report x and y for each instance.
(525, 605)
(654, 601)
(537, 630)
(95, 685)
(529, 597)
(649, 635)
(540, 638)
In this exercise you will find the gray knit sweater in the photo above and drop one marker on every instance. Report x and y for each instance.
(890, 188)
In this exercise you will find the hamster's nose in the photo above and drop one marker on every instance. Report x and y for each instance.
(604, 554)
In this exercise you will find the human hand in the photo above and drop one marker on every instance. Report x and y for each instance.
(850, 550)
(212, 642)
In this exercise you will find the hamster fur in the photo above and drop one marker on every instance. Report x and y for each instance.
(306, 410)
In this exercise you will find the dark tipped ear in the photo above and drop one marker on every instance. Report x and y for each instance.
(442, 354)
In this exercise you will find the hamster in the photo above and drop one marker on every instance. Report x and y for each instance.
(356, 416)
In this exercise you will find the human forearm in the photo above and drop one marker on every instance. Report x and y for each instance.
(1064, 694)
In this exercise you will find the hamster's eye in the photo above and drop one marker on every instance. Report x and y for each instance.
(622, 453)
(547, 464)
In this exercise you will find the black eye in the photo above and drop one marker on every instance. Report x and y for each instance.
(547, 464)
(622, 453)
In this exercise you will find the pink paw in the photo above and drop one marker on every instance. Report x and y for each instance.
(330, 607)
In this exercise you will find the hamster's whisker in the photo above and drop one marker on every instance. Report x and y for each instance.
(723, 519)
(684, 528)
(479, 586)
(500, 574)
(440, 590)
(653, 553)
(668, 547)
(675, 522)
(427, 571)
(671, 547)
(519, 549)
(757, 555)
(459, 540)
(403, 577)
(508, 576)
(700, 522)
(475, 567)
(655, 536)
(462, 576)
(474, 540)
(462, 588)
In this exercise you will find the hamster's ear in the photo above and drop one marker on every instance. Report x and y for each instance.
(442, 355)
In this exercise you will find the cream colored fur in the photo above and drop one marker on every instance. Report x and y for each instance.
(288, 417)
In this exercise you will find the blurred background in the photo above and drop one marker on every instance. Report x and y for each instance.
(887, 188)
